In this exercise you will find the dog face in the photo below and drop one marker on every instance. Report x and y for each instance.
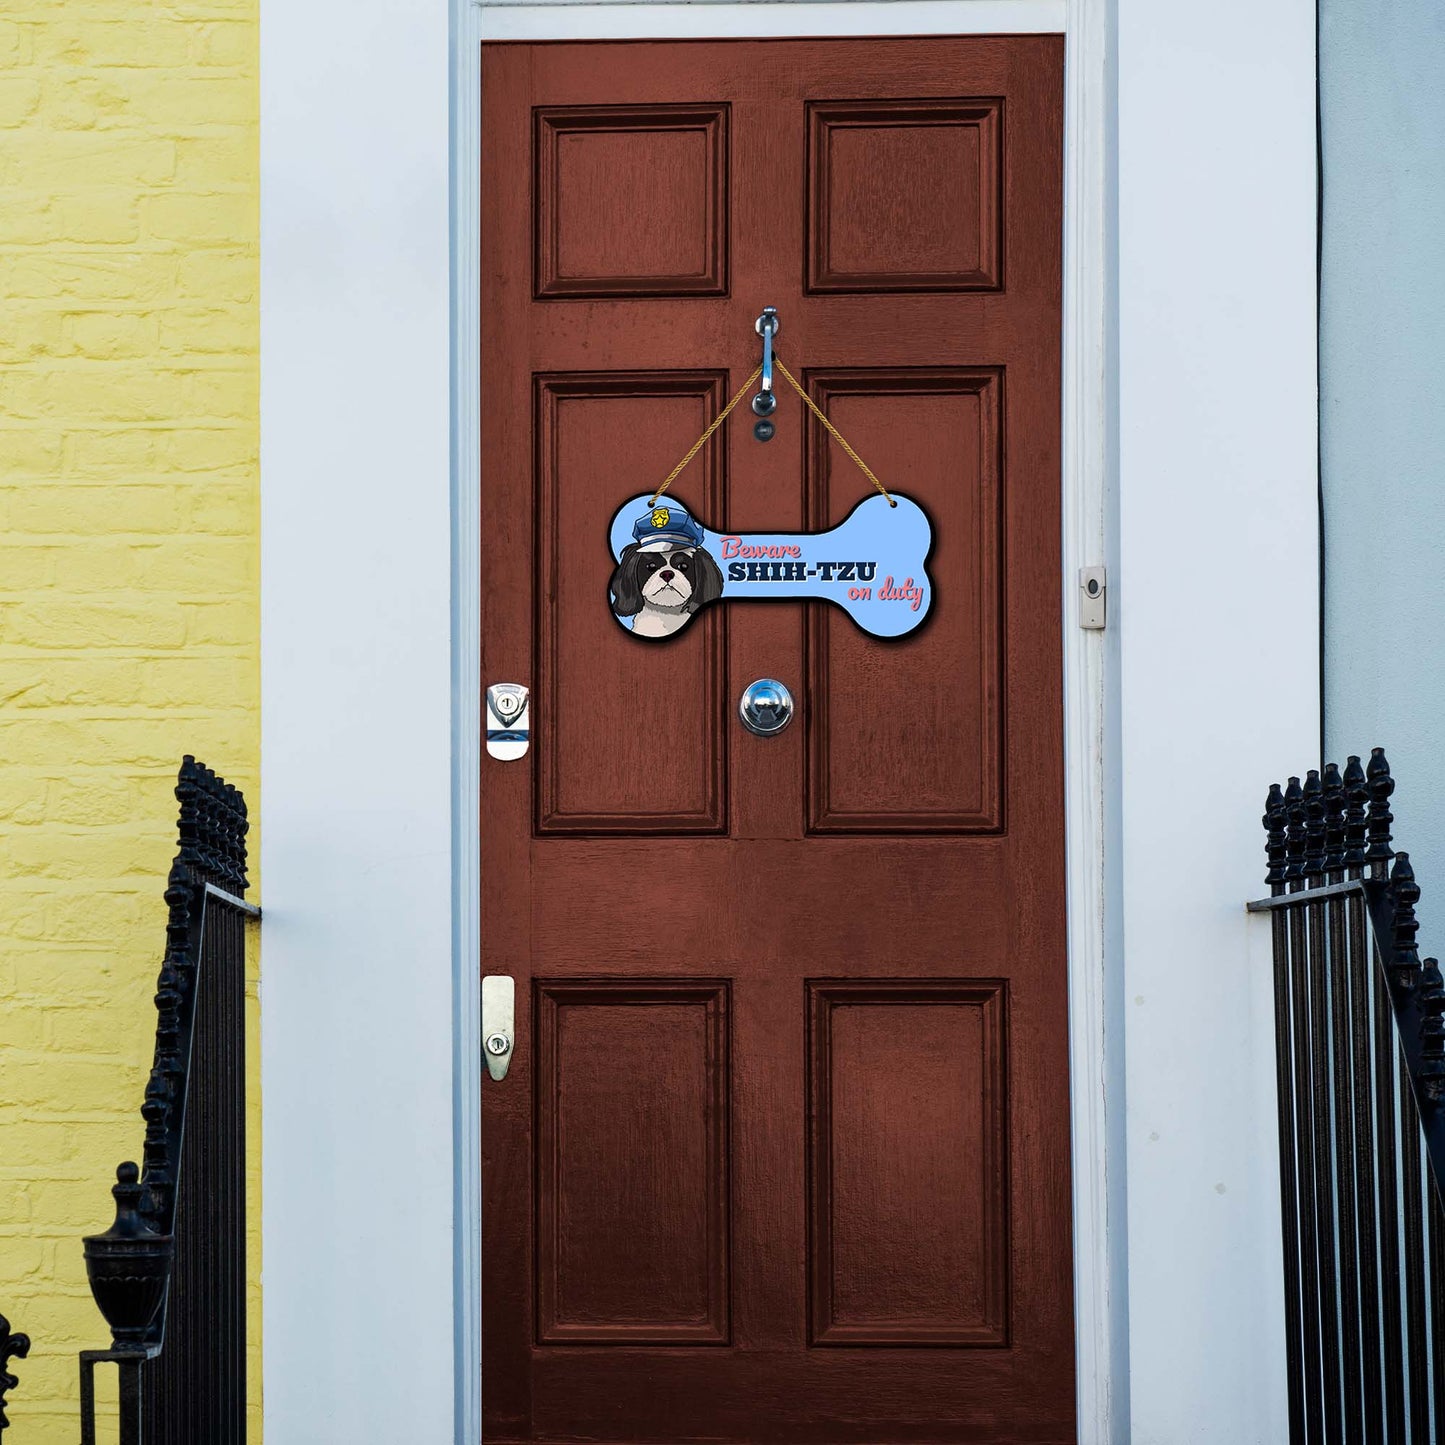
(666, 577)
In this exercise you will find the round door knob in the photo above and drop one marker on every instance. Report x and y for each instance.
(766, 707)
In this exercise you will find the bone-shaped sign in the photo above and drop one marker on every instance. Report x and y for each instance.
(669, 566)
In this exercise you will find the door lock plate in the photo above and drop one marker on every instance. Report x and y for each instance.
(509, 720)
(499, 1006)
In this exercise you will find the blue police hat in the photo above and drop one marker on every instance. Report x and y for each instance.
(667, 521)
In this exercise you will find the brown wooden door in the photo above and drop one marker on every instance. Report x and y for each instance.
(783, 1155)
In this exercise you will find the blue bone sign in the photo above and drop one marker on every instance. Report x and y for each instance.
(670, 566)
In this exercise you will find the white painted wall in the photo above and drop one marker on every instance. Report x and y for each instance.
(356, 1006)
(1217, 565)
(1382, 428)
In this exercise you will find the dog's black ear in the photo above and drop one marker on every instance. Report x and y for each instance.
(626, 589)
(707, 580)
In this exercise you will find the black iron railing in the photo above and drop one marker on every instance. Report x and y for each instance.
(12, 1347)
(1360, 1047)
(170, 1274)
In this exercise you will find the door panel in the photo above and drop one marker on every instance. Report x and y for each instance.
(632, 1162)
(632, 200)
(782, 1157)
(940, 432)
(904, 196)
(615, 753)
(916, 1255)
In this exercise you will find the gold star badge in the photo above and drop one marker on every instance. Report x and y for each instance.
(661, 517)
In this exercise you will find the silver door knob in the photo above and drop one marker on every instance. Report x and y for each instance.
(766, 707)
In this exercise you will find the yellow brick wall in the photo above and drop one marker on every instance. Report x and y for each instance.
(128, 590)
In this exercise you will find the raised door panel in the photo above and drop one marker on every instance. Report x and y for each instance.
(908, 736)
(627, 738)
(905, 195)
(632, 1162)
(908, 1163)
(632, 201)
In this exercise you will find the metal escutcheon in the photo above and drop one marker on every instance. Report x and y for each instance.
(499, 1022)
(508, 721)
(766, 707)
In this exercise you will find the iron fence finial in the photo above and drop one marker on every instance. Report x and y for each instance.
(1405, 956)
(1334, 791)
(1276, 821)
(1380, 785)
(13, 1346)
(1295, 840)
(1432, 1032)
(1314, 802)
(1357, 797)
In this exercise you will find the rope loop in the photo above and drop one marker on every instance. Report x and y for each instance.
(831, 429)
(808, 401)
(702, 441)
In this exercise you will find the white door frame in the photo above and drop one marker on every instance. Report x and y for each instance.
(1085, 424)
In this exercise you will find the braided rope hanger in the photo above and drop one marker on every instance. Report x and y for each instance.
(808, 401)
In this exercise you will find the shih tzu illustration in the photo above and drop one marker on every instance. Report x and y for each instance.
(665, 573)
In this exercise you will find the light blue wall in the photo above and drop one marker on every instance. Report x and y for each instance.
(1382, 377)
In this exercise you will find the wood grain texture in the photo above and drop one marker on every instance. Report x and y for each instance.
(631, 200)
(905, 195)
(911, 1076)
(940, 430)
(632, 1162)
(902, 843)
(625, 742)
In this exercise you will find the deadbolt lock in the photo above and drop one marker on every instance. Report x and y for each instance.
(508, 720)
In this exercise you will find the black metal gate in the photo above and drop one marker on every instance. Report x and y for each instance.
(170, 1274)
(1361, 1075)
